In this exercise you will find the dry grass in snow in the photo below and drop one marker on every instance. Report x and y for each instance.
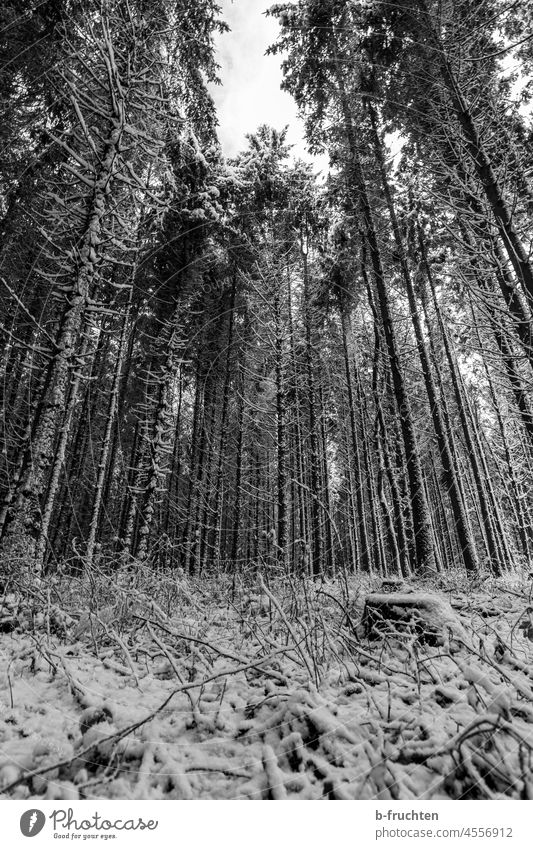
(179, 689)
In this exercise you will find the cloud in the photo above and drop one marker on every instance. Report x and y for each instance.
(251, 93)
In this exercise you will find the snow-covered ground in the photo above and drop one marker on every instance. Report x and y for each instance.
(180, 689)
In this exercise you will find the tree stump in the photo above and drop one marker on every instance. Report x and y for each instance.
(427, 616)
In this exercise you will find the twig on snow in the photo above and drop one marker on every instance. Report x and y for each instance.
(120, 734)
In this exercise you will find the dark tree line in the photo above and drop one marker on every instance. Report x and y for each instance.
(231, 365)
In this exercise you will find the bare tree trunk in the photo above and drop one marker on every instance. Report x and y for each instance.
(106, 443)
(314, 462)
(464, 531)
(355, 454)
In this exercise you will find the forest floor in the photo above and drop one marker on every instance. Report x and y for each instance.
(179, 689)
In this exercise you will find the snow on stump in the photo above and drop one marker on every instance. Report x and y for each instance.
(429, 617)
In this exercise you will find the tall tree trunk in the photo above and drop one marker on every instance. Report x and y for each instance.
(106, 442)
(215, 541)
(281, 445)
(314, 460)
(467, 424)
(462, 523)
(355, 454)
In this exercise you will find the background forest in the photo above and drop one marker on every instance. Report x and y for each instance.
(220, 365)
(219, 369)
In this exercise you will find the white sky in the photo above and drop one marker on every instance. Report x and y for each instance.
(250, 93)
